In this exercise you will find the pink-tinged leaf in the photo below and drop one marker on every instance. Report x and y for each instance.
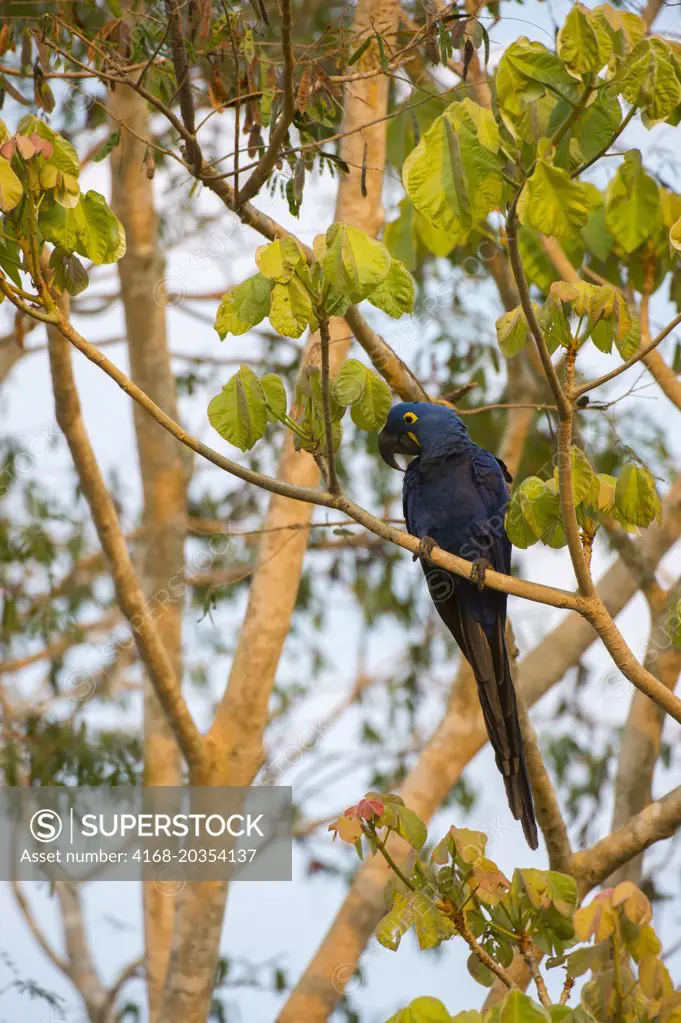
(25, 146)
(9, 148)
(42, 145)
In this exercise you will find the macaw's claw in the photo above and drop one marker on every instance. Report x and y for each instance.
(479, 571)
(426, 544)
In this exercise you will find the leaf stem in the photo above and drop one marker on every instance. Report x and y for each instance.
(326, 404)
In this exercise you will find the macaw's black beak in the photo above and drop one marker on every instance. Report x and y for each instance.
(391, 444)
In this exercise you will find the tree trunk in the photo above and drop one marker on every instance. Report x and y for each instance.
(162, 464)
(242, 715)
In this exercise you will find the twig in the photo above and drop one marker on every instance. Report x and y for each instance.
(266, 163)
(533, 966)
(641, 354)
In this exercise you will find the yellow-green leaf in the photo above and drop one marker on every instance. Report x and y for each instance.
(518, 529)
(453, 176)
(528, 70)
(275, 395)
(279, 259)
(395, 923)
(354, 263)
(552, 203)
(636, 496)
(675, 235)
(11, 188)
(431, 926)
(430, 1010)
(632, 204)
(90, 228)
(409, 825)
(583, 44)
(649, 81)
(239, 412)
(517, 1007)
(244, 306)
(512, 332)
(395, 295)
(290, 308)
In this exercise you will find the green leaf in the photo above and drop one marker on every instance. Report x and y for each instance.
(354, 263)
(552, 203)
(350, 384)
(583, 44)
(648, 79)
(309, 399)
(518, 529)
(279, 259)
(512, 332)
(275, 396)
(538, 267)
(409, 825)
(597, 126)
(584, 479)
(453, 176)
(371, 411)
(561, 1014)
(636, 496)
(539, 503)
(430, 1010)
(69, 273)
(244, 306)
(400, 236)
(107, 146)
(11, 188)
(479, 972)
(291, 308)
(360, 50)
(10, 256)
(239, 412)
(598, 239)
(90, 228)
(517, 1007)
(395, 295)
(632, 204)
(367, 393)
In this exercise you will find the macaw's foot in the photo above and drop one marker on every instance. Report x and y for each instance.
(478, 572)
(426, 544)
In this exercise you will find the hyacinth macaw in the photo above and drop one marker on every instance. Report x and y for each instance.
(454, 496)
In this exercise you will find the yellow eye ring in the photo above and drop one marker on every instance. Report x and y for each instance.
(409, 418)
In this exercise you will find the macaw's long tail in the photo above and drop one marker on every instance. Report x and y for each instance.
(485, 650)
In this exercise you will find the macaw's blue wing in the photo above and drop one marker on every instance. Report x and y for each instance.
(461, 504)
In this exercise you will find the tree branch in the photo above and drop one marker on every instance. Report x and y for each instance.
(659, 820)
(129, 593)
(641, 354)
(547, 809)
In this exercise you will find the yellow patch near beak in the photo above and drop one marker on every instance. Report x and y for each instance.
(414, 437)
